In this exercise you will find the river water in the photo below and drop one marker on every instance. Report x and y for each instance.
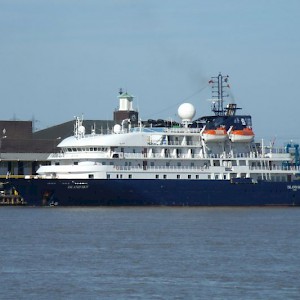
(149, 253)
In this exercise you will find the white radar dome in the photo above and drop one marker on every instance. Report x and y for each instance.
(117, 128)
(186, 111)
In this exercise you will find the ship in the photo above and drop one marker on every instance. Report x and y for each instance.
(213, 160)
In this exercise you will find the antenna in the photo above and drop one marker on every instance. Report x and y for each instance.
(219, 85)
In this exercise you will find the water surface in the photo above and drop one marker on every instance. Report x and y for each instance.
(149, 253)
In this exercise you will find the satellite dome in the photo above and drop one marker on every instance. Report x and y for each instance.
(117, 128)
(186, 111)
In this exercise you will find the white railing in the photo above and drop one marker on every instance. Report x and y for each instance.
(275, 168)
(121, 155)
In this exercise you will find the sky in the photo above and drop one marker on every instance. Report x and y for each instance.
(65, 58)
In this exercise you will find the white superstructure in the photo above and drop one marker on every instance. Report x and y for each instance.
(173, 152)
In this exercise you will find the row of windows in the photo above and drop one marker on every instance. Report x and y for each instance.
(129, 164)
(157, 176)
(164, 176)
(86, 149)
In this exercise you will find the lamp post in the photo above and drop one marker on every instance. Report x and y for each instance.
(2, 137)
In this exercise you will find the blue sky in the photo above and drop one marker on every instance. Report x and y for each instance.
(62, 58)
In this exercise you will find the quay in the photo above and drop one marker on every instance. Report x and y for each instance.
(9, 196)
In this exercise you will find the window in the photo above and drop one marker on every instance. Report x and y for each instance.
(165, 176)
(129, 176)
(197, 176)
(57, 163)
(156, 176)
(216, 163)
(178, 176)
(75, 163)
(189, 176)
(108, 176)
(91, 176)
(242, 163)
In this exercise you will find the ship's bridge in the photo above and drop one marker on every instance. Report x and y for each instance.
(214, 122)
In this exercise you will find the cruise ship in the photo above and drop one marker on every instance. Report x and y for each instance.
(211, 160)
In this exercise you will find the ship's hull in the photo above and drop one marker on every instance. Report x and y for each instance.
(120, 192)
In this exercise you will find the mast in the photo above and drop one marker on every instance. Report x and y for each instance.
(219, 87)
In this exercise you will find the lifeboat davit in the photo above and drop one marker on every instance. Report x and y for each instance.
(243, 135)
(214, 135)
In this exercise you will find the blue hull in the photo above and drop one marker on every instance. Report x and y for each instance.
(120, 192)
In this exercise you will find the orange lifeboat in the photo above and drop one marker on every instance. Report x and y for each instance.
(242, 135)
(215, 135)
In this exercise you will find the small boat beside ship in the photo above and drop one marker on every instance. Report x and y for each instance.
(208, 161)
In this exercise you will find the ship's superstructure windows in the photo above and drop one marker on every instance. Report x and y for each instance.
(242, 163)
(216, 163)
(75, 163)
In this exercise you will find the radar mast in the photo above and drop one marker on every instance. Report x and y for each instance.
(219, 87)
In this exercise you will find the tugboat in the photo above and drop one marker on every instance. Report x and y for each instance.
(209, 161)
